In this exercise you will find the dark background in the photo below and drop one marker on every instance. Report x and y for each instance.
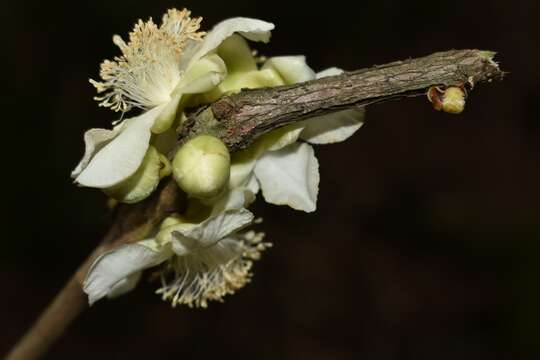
(426, 243)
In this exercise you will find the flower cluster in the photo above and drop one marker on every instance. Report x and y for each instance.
(205, 252)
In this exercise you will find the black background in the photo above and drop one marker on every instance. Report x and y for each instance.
(425, 244)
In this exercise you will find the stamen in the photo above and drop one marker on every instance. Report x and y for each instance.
(211, 273)
(148, 70)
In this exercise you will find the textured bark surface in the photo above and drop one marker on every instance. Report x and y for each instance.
(238, 120)
(241, 118)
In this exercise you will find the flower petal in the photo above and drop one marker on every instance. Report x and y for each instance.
(142, 183)
(242, 164)
(234, 199)
(203, 75)
(116, 265)
(332, 71)
(334, 127)
(282, 137)
(293, 69)
(166, 117)
(125, 285)
(121, 157)
(188, 237)
(253, 186)
(94, 140)
(237, 54)
(290, 176)
(251, 29)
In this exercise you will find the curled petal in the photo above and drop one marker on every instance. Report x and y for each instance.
(121, 157)
(334, 127)
(329, 72)
(251, 29)
(141, 184)
(253, 186)
(203, 75)
(166, 117)
(293, 69)
(125, 285)
(234, 199)
(282, 137)
(290, 176)
(242, 164)
(114, 266)
(188, 237)
(94, 140)
(277, 139)
(237, 54)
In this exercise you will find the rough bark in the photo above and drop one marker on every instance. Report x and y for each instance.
(239, 119)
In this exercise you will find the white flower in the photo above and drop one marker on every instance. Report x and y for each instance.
(204, 253)
(287, 172)
(202, 261)
(158, 66)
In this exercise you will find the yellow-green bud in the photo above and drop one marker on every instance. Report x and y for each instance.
(450, 100)
(201, 167)
(167, 227)
(453, 100)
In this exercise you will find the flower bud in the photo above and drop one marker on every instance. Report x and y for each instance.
(450, 100)
(201, 167)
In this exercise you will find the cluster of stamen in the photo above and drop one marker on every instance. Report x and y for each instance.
(213, 272)
(149, 68)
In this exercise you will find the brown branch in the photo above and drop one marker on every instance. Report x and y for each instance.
(238, 120)
(241, 118)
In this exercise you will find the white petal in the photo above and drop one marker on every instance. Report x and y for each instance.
(251, 29)
(277, 139)
(142, 183)
(121, 157)
(253, 186)
(114, 266)
(242, 164)
(166, 117)
(210, 231)
(334, 127)
(329, 72)
(203, 75)
(290, 176)
(234, 199)
(94, 140)
(293, 69)
(284, 136)
(125, 285)
(166, 141)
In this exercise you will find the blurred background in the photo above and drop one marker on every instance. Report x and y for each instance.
(427, 248)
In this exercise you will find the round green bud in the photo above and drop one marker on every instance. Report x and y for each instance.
(201, 167)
